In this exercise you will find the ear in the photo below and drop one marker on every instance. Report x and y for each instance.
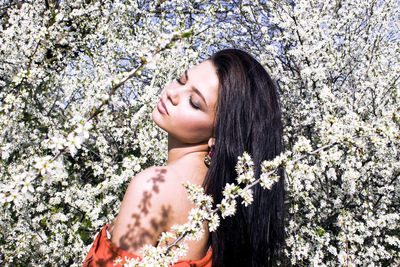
(211, 142)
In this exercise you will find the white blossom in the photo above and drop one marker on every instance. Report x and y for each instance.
(336, 66)
(246, 195)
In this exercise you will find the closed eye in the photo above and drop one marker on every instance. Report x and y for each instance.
(193, 104)
(180, 81)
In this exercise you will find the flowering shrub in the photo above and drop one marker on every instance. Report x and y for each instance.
(65, 162)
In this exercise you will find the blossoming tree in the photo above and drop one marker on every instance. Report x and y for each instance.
(78, 80)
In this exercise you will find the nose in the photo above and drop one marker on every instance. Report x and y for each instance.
(172, 93)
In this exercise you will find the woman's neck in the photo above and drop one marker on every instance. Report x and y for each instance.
(178, 150)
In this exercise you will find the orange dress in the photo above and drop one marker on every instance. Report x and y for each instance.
(103, 253)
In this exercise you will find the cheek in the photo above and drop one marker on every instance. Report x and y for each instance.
(194, 129)
(198, 125)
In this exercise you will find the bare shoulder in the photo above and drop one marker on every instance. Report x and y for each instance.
(149, 179)
(158, 184)
(153, 202)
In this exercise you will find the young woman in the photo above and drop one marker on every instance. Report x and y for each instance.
(221, 107)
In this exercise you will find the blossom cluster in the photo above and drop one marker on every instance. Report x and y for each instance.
(65, 162)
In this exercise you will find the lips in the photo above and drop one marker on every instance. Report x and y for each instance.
(162, 108)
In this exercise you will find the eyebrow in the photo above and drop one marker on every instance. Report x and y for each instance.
(195, 89)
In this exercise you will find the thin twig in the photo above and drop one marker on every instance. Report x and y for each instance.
(176, 241)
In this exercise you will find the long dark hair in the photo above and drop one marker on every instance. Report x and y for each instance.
(248, 119)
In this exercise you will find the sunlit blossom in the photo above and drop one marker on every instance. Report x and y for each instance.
(336, 66)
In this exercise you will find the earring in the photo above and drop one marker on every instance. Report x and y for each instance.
(207, 158)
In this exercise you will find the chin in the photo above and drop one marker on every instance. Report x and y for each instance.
(156, 118)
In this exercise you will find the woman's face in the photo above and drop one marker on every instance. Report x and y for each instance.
(188, 105)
